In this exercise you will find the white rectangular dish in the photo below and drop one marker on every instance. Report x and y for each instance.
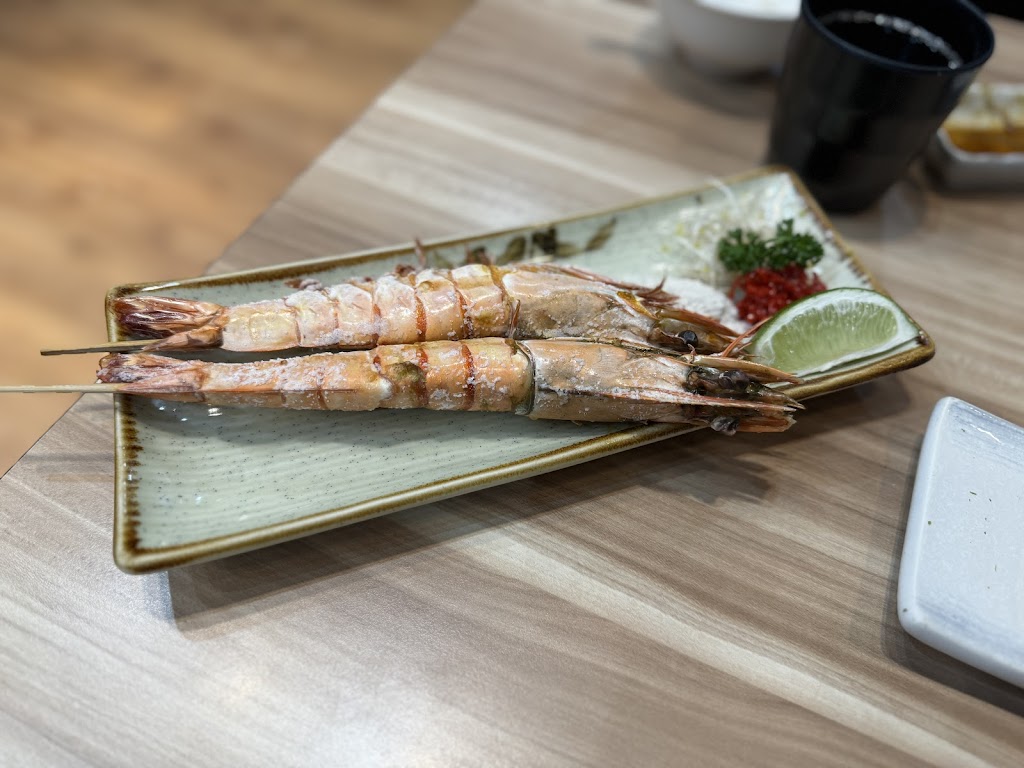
(961, 583)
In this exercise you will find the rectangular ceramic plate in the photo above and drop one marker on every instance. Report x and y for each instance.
(196, 483)
(963, 552)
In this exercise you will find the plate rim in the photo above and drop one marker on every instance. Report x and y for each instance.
(132, 558)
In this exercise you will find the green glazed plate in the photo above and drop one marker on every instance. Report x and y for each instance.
(196, 483)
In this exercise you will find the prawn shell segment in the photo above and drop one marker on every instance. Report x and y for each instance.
(556, 303)
(348, 382)
(476, 375)
(260, 326)
(487, 307)
(502, 376)
(315, 318)
(353, 314)
(442, 306)
(397, 311)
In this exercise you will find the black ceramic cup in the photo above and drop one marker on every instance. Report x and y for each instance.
(864, 86)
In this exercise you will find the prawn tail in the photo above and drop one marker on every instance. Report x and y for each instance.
(145, 374)
(178, 323)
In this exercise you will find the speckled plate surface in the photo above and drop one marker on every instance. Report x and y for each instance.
(196, 483)
(963, 551)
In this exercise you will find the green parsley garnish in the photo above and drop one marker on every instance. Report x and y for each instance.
(744, 250)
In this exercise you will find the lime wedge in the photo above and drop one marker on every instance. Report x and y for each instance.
(830, 329)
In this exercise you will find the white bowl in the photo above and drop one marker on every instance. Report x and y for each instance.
(730, 37)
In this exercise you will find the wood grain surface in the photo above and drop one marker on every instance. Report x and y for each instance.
(138, 138)
(702, 601)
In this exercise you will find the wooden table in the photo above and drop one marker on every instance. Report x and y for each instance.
(700, 601)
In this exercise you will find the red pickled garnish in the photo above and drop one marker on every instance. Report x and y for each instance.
(764, 291)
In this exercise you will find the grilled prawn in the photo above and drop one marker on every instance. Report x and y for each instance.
(528, 301)
(543, 379)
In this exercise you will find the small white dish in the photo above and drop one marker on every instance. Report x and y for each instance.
(962, 171)
(990, 117)
(961, 583)
(730, 37)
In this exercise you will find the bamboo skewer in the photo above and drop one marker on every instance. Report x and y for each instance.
(109, 346)
(61, 388)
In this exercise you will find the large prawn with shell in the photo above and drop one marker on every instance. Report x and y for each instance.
(529, 301)
(569, 379)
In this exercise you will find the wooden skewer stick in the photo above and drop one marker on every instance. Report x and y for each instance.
(110, 346)
(107, 388)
